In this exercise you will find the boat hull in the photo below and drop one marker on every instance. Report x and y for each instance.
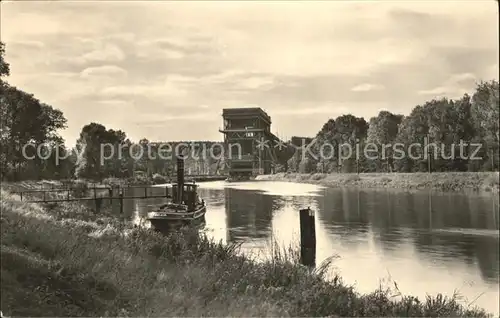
(163, 220)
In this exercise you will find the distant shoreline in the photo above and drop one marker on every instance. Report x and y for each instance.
(441, 181)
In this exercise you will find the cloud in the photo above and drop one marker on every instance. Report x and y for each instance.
(103, 71)
(255, 82)
(66, 75)
(333, 109)
(167, 89)
(367, 87)
(108, 53)
(27, 44)
(160, 119)
(453, 87)
(114, 102)
(238, 80)
(44, 24)
(155, 50)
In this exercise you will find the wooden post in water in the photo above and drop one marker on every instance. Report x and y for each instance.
(307, 238)
(166, 191)
(145, 192)
(110, 195)
(121, 201)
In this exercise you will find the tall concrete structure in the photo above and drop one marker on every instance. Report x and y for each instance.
(250, 147)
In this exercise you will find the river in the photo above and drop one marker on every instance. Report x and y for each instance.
(427, 243)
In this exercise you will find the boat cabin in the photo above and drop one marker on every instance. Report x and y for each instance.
(188, 196)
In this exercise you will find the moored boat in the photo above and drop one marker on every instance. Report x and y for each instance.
(185, 208)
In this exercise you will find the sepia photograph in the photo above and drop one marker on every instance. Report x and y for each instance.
(253, 158)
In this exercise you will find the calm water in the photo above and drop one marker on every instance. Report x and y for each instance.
(426, 242)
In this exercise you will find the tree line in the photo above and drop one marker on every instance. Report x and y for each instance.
(25, 120)
(446, 125)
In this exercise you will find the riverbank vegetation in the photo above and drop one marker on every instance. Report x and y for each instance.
(78, 263)
(442, 124)
(441, 181)
(471, 119)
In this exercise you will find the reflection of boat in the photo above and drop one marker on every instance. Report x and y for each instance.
(185, 208)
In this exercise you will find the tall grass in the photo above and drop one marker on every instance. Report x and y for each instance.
(53, 266)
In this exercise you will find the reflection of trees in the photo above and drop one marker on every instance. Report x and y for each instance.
(388, 216)
(344, 214)
(249, 213)
(430, 219)
(451, 218)
(343, 207)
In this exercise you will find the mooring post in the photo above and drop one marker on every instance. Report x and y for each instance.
(307, 238)
(145, 192)
(121, 200)
(166, 191)
(110, 195)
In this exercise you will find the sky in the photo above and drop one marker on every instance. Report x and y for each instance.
(165, 70)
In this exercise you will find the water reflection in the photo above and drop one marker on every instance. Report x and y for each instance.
(248, 215)
(427, 242)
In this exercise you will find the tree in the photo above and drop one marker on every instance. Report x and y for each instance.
(485, 116)
(433, 126)
(4, 66)
(25, 120)
(333, 143)
(383, 130)
(461, 131)
(102, 152)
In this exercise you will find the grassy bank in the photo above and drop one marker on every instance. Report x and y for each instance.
(68, 261)
(446, 181)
